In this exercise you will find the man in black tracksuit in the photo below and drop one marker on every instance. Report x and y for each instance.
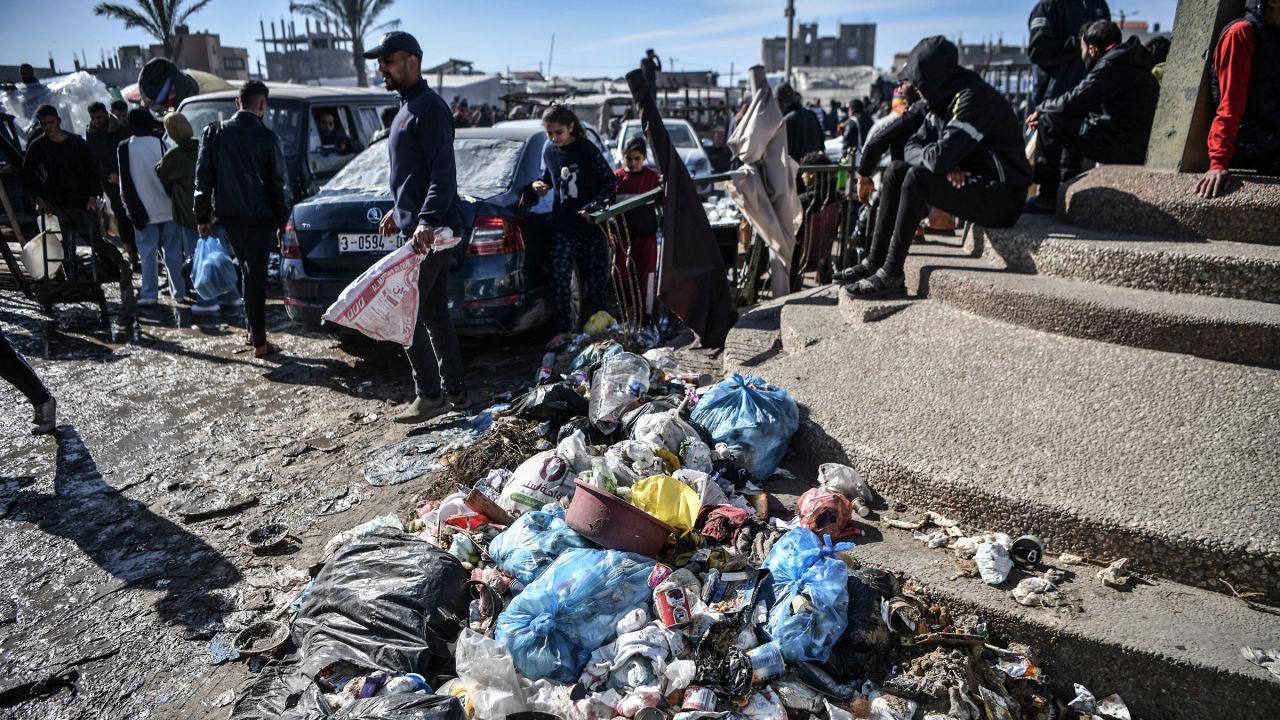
(1106, 117)
(804, 131)
(1054, 46)
(242, 184)
(105, 135)
(967, 159)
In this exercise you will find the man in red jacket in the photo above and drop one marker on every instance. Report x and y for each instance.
(1246, 88)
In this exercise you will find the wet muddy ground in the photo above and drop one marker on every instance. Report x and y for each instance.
(122, 537)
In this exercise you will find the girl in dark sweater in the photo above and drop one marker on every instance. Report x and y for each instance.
(583, 183)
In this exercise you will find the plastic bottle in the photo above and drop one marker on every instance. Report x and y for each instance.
(548, 369)
(843, 479)
(617, 387)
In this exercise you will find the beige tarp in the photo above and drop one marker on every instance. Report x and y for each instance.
(764, 188)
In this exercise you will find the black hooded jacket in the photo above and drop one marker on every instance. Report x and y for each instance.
(804, 131)
(1117, 98)
(1054, 46)
(970, 125)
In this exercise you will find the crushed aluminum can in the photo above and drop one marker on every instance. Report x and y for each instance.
(699, 698)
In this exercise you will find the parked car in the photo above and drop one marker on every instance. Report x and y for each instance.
(683, 136)
(292, 112)
(499, 280)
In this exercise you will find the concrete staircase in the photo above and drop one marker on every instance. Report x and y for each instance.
(1112, 393)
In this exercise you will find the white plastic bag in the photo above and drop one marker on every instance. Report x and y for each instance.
(485, 665)
(383, 302)
(47, 243)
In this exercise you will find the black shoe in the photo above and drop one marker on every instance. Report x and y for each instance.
(855, 273)
(878, 286)
(460, 402)
(1039, 205)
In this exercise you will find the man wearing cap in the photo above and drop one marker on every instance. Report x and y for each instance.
(424, 183)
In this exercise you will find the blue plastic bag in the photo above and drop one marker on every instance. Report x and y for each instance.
(753, 418)
(571, 610)
(212, 271)
(801, 564)
(532, 543)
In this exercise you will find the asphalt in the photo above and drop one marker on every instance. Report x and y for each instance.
(1101, 449)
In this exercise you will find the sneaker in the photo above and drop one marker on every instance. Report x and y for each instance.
(460, 402)
(423, 409)
(46, 417)
(148, 302)
(1039, 205)
(205, 308)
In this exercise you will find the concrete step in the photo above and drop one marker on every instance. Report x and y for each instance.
(1104, 450)
(1241, 331)
(1046, 246)
(1164, 204)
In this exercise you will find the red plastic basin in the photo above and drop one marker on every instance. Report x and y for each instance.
(614, 523)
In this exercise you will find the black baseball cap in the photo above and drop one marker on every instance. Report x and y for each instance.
(393, 41)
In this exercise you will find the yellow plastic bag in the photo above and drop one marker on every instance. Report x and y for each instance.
(598, 323)
(669, 500)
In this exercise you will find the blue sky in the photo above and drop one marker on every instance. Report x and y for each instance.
(591, 38)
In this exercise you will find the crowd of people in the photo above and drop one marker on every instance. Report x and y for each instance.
(954, 145)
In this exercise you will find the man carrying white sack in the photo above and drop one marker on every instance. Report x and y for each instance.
(425, 185)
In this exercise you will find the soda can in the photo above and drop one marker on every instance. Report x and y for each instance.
(766, 662)
(699, 698)
(1027, 551)
(673, 606)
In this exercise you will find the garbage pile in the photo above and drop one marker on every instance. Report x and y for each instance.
(631, 567)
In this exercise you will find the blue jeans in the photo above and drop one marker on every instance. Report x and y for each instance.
(191, 236)
(152, 239)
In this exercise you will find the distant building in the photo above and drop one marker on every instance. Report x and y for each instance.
(307, 57)
(198, 51)
(853, 45)
(452, 66)
(1145, 33)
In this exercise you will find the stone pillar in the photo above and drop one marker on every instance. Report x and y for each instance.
(1185, 110)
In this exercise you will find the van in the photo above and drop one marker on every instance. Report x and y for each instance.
(293, 112)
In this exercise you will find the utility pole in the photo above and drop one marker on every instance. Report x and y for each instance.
(551, 56)
(791, 19)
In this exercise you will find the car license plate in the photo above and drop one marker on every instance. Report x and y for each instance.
(366, 243)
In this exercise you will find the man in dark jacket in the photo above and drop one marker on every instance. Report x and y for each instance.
(424, 181)
(104, 136)
(804, 132)
(967, 159)
(241, 184)
(1245, 132)
(1054, 46)
(1106, 118)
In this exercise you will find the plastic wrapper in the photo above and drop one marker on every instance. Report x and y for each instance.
(1111, 707)
(543, 478)
(485, 665)
(810, 595)
(1037, 592)
(665, 430)
(669, 500)
(346, 536)
(825, 512)
(594, 354)
(994, 563)
(556, 402)
(532, 543)
(892, 707)
(617, 387)
(387, 601)
(212, 271)
(695, 455)
(845, 480)
(573, 608)
(755, 419)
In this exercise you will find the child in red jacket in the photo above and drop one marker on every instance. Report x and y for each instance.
(636, 265)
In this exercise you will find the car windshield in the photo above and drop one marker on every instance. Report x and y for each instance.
(486, 167)
(680, 135)
(285, 118)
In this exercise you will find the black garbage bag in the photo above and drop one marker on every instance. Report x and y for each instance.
(589, 431)
(659, 405)
(387, 601)
(865, 639)
(556, 402)
(268, 696)
(412, 706)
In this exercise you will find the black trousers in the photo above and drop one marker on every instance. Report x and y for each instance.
(252, 245)
(434, 355)
(15, 370)
(123, 223)
(1064, 141)
(79, 225)
(907, 193)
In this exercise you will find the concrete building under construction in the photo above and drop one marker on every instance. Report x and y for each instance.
(319, 52)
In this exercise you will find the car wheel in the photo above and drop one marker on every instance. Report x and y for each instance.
(576, 307)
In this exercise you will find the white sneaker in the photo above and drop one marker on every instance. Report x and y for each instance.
(205, 308)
